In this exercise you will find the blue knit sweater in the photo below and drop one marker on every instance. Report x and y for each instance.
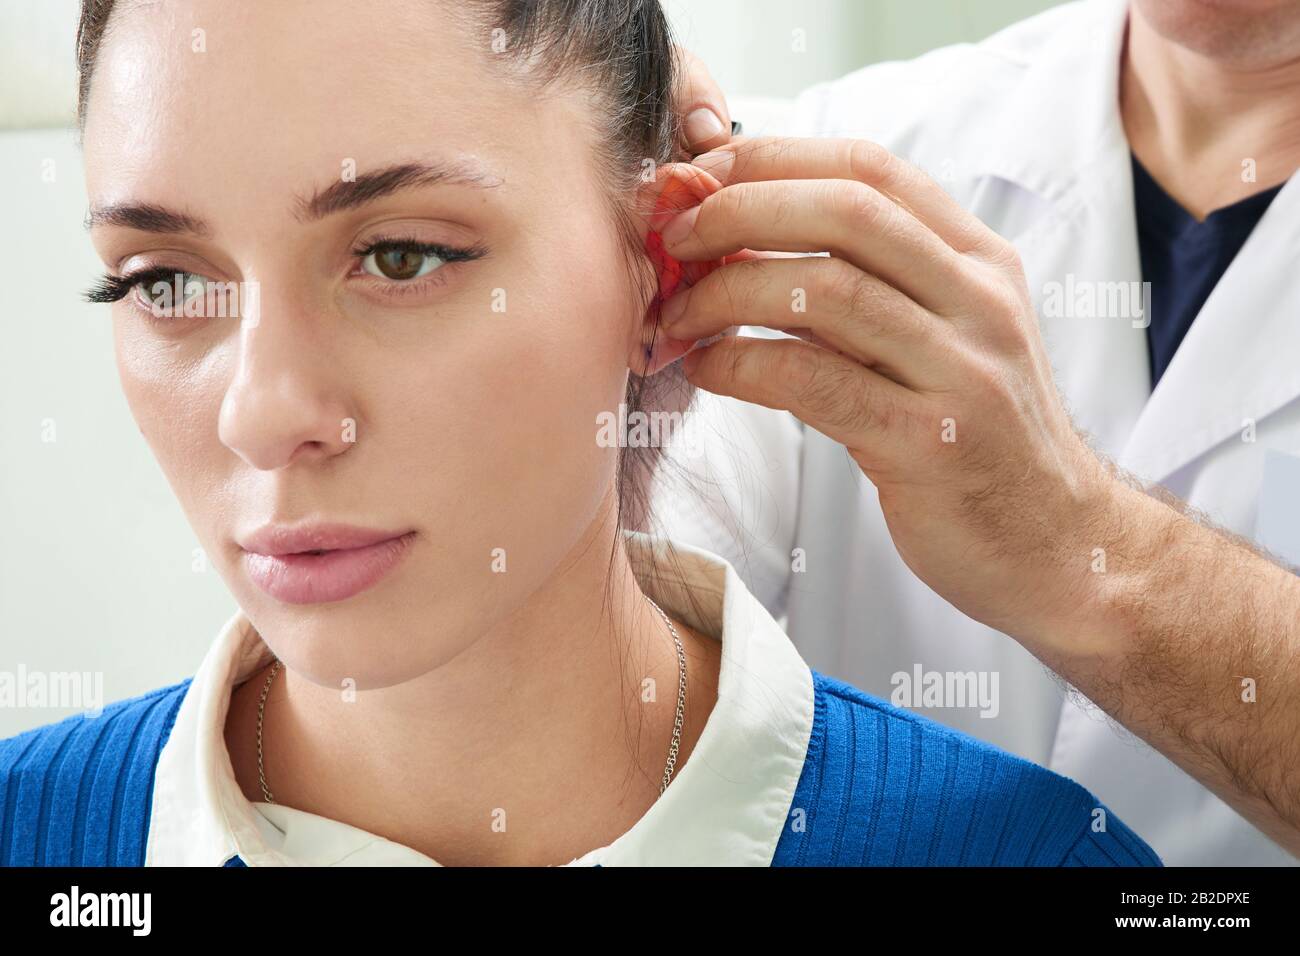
(880, 786)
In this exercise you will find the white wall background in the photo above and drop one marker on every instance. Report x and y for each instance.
(98, 566)
(750, 45)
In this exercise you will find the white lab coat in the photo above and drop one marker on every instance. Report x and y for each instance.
(1024, 130)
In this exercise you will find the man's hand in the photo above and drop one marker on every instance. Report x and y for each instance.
(917, 347)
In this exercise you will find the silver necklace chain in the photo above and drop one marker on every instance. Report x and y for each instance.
(672, 749)
(261, 707)
(681, 700)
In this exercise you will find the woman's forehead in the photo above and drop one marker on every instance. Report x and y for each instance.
(288, 92)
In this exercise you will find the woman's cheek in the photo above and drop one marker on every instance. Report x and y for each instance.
(175, 404)
(153, 368)
(546, 385)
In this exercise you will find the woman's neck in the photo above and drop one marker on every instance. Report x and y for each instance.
(533, 746)
(1211, 132)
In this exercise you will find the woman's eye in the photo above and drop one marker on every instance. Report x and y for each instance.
(400, 263)
(165, 296)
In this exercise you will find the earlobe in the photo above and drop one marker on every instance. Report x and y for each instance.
(663, 353)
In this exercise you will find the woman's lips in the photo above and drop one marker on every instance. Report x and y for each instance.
(331, 575)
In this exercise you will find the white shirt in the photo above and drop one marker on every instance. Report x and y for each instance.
(727, 804)
(1024, 130)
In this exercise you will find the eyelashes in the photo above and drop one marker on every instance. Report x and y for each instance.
(415, 246)
(112, 287)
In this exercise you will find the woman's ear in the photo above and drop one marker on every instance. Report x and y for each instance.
(675, 188)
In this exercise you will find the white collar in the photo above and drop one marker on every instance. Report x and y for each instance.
(1039, 144)
(726, 805)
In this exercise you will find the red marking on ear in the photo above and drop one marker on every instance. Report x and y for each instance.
(668, 269)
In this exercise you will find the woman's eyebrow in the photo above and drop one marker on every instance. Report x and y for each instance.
(147, 217)
(367, 187)
(344, 194)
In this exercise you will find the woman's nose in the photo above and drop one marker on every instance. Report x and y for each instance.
(288, 398)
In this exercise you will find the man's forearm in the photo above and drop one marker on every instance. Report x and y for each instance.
(1190, 638)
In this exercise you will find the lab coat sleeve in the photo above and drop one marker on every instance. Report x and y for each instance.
(778, 116)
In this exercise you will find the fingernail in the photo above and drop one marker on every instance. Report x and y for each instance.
(672, 310)
(717, 163)
(701, 125)
(680, 227)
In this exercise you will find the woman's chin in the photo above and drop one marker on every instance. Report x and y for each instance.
(359, 645)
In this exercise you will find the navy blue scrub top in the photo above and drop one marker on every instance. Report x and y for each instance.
(1184, 259)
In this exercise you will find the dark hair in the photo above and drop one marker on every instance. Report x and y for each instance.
(621, 51)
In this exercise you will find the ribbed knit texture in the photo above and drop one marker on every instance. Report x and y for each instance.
(78, 792)
(882, 786)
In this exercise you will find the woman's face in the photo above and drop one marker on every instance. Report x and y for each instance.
(396, 391)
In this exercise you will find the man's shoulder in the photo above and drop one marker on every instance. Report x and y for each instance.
(73, 791)
(953, 89)
(884, 786)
